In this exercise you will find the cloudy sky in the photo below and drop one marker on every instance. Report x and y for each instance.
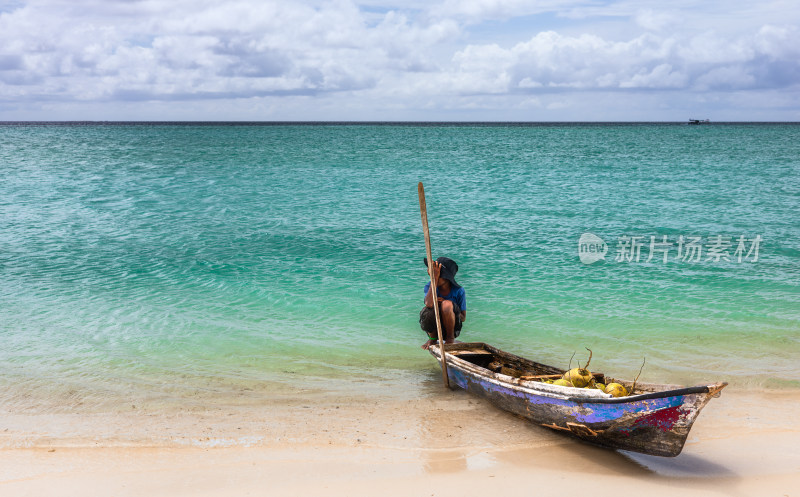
(450, 60)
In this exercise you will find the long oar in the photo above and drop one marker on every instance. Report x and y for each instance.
(424, 211)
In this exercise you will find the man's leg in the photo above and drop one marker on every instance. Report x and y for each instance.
(427, 321)
(448, 321)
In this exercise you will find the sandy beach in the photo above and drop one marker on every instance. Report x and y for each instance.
(440, 443)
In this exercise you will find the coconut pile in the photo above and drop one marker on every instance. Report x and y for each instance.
(579, 377)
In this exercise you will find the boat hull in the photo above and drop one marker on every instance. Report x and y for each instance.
(653, 423)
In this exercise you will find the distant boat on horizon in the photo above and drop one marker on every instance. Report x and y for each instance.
(699, 121)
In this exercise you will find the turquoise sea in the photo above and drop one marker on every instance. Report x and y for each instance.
(156, 261)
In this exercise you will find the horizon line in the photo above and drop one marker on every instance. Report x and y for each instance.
(380, 123)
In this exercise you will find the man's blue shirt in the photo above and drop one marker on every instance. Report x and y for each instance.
(456, 295)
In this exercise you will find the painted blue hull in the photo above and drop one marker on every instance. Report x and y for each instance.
(655, 422)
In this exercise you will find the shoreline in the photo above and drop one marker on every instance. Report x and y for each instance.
(743, 443)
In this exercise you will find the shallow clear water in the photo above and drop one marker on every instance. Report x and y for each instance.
(156, 261)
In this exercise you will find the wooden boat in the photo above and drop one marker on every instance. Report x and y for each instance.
(655, 419)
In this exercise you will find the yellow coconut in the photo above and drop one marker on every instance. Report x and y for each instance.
(562, 382)
(616, 390)
(600, 387)
(580, 376)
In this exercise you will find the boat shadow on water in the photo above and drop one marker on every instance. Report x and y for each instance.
(592, 459)
(686, 472)
(686, 465)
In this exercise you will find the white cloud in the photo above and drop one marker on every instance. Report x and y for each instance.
(164, 50)
(476, 11)
(377, 60)
(587, 62)
(726, 77)
(653, 20)
(662, 76)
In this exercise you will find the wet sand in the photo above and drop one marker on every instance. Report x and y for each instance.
(442, 443)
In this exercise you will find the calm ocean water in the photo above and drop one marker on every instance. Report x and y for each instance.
(162, 262)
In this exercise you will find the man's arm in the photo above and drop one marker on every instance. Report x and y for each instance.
(463, 304)
(429, 296)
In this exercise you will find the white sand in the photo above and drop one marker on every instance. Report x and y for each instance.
(449, 444)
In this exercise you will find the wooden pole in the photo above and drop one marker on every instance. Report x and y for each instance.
(424, 212)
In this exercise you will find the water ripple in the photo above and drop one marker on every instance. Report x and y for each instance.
(158, 262)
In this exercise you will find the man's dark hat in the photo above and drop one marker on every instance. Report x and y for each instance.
(449, 270)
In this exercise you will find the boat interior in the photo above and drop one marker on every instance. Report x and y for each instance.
(502, 363)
